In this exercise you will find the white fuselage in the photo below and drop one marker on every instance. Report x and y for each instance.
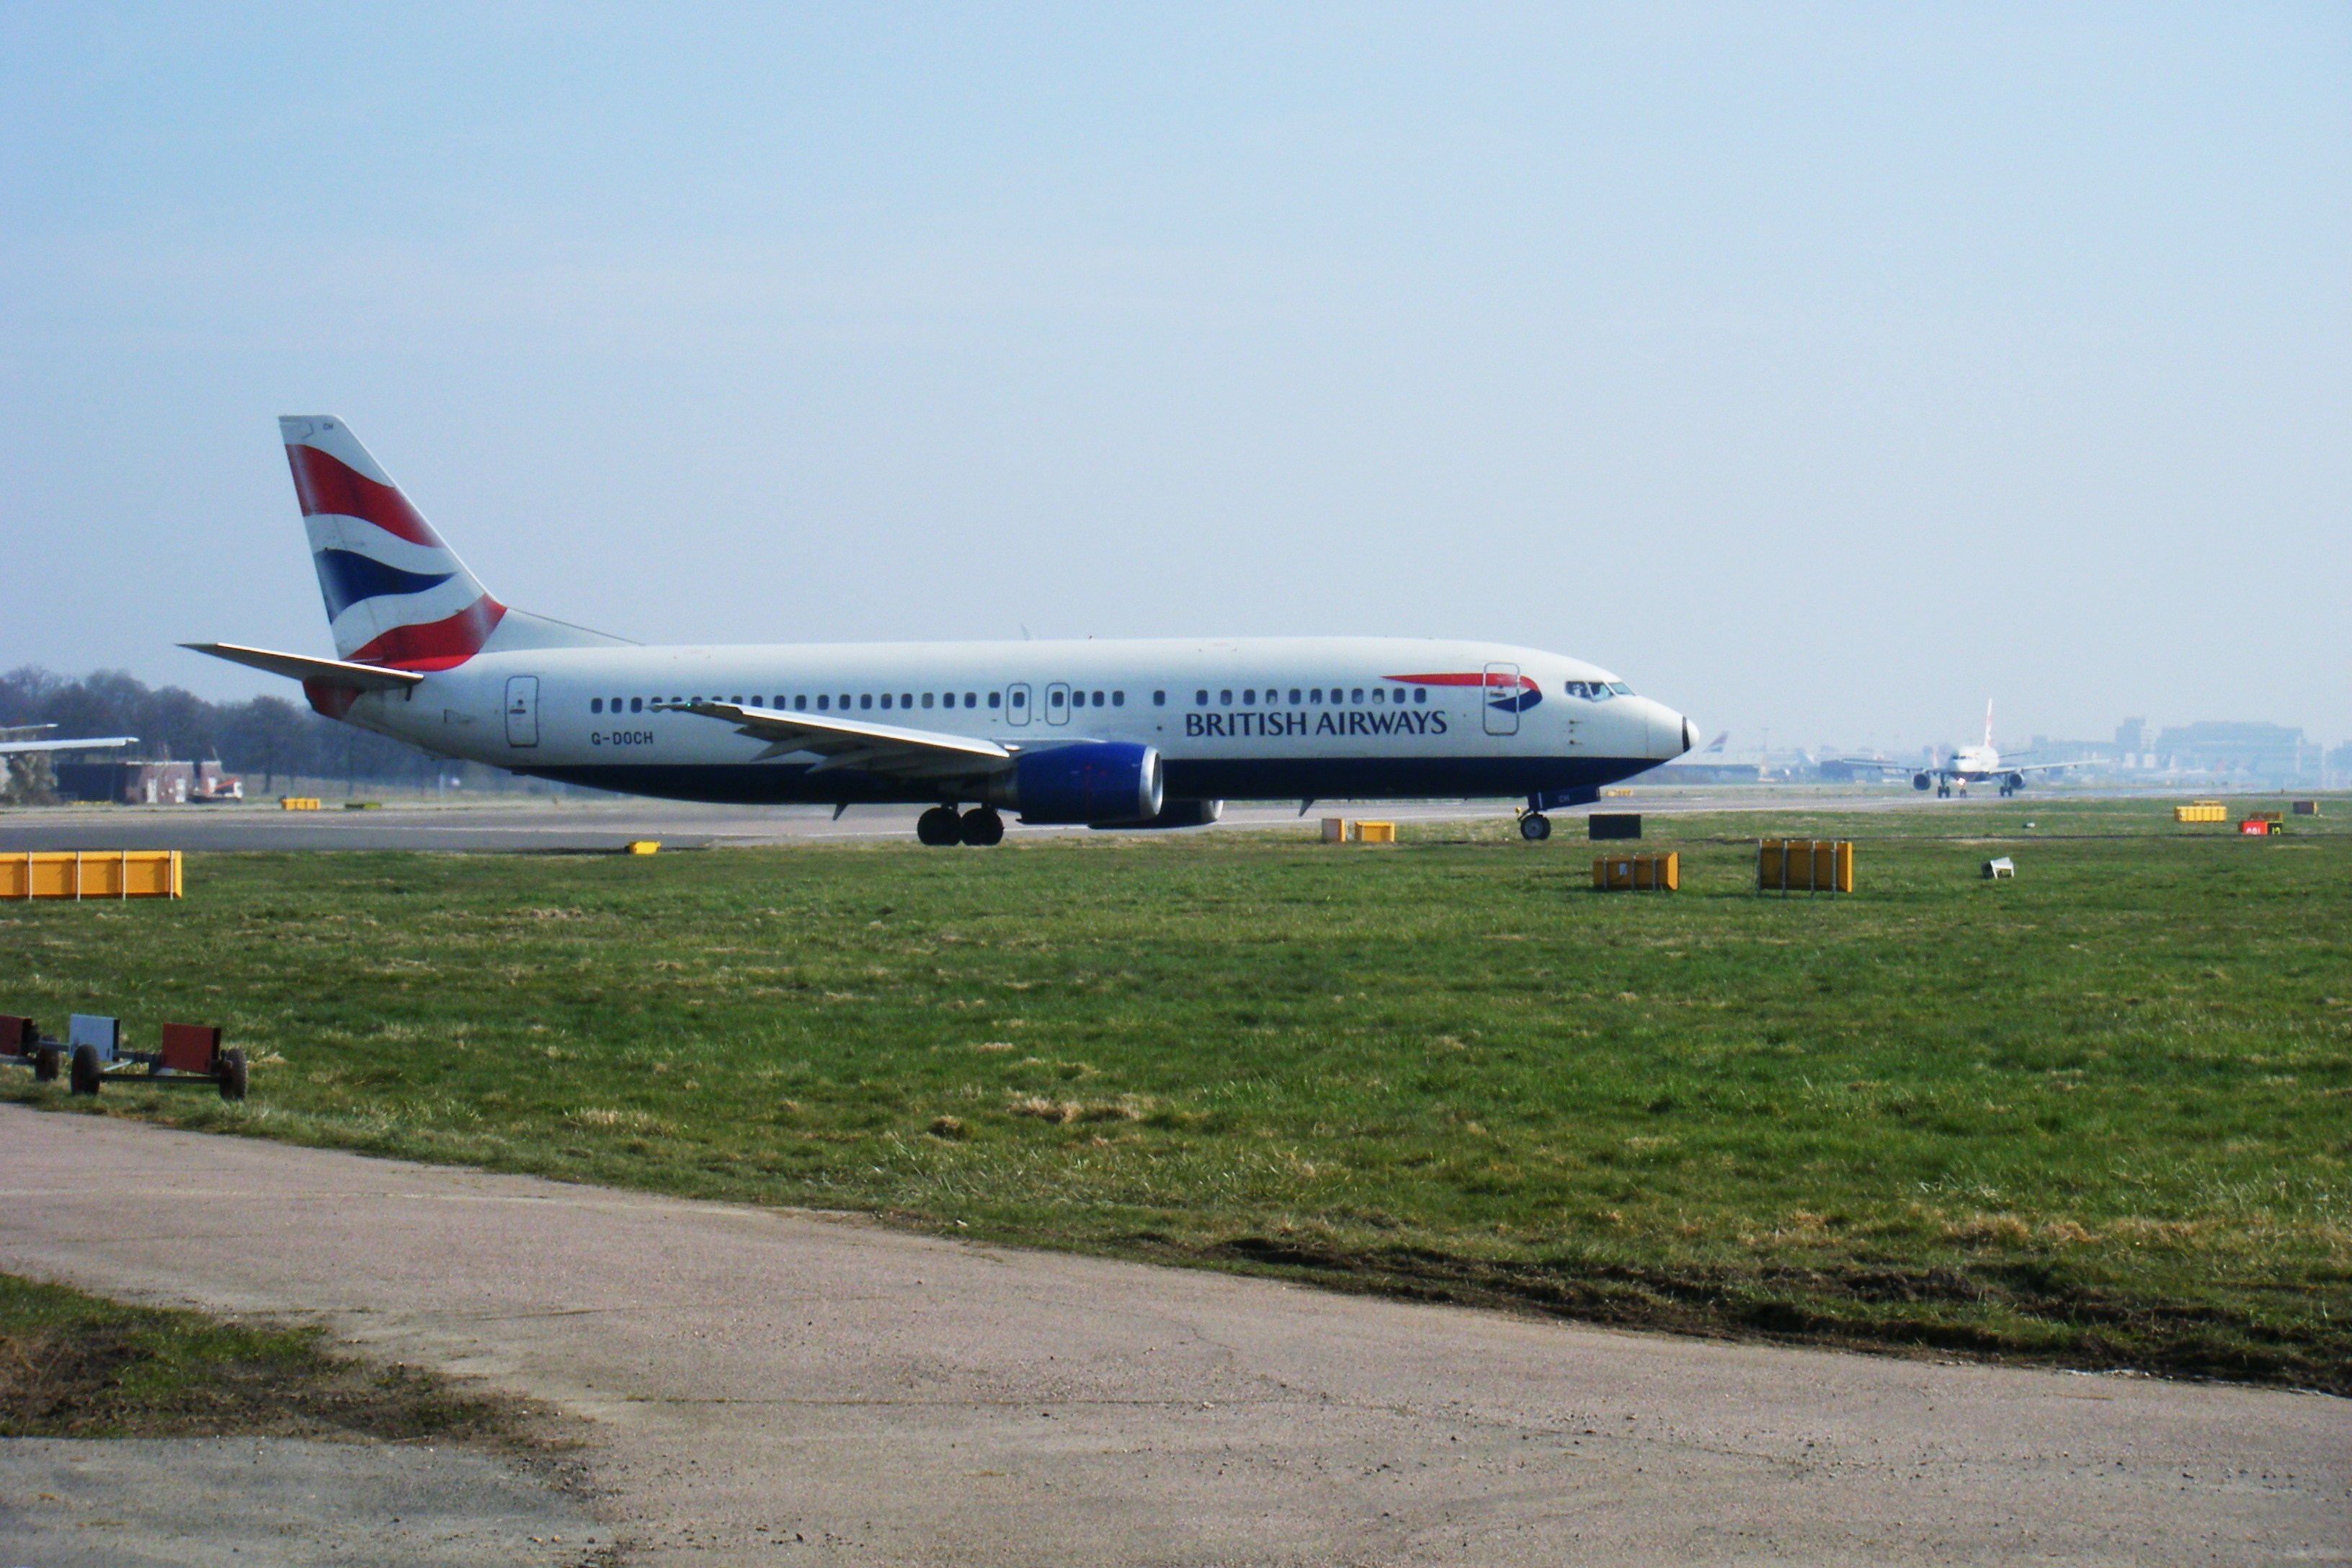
(1264, 719)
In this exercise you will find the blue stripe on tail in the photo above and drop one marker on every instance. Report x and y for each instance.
(346, 577)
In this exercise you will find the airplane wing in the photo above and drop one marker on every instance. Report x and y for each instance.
(844, 744)
(2044, 767)
(107, 742)
(299, 666)
(1883, 765)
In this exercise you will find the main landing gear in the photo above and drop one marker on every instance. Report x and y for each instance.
(941, 826)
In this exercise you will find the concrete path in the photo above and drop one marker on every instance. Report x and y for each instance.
(790, 1388)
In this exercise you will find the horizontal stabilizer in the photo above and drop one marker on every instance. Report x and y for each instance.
(299, 667)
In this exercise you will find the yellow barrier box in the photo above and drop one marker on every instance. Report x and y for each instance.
(1638, 873)
(2202, 811)
(298, 802)
(1335, 830)
(91, 874)
(643, 845)
(1375, 833)
(2306, 808)
(1804, 864)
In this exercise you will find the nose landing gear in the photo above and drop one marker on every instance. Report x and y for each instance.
(1534, 827)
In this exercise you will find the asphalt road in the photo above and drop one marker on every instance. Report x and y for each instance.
(788, 1387)
(543, 825)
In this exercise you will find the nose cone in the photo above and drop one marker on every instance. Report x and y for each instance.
(1670, 733)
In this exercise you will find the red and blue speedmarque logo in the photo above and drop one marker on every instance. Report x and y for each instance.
(1506, 692)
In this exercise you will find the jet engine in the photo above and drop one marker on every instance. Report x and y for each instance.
(1091, 781)
(1923, 781)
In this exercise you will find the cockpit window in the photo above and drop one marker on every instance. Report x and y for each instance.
(1621, 689)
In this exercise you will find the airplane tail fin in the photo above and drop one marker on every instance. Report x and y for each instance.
(395, 594)
(1988, 723)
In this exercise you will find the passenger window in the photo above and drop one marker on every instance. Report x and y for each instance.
(1379, 694)
(1225, 698)
(905, 699)
(1294, 697)
(1358, 695)
(1020, 699)
(927, 700)
(1316, 695)
(1249, 698)
(1420, 694)
(1098, 699)
(1199, 699)
(800, 703)
(972, 699)
(866, 700)
(1119, 699)
(637, 704)
(596, 705)
(844, 702)
(886, 699)
(739, 701)
(1054, 697)
(1159, 699)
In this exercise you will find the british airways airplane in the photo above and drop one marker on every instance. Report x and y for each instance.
(1106, 733)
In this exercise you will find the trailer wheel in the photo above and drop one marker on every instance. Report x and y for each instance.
(85, 1070)
(45, 1065)
(232, 1074)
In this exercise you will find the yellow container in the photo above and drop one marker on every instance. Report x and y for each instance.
(1638, 873)
(643, 845)
(1376, 833)
(2202, 811)
(91, 874)
(1804, 864)
(1335, 830)
(2306, 808)
(298, 802)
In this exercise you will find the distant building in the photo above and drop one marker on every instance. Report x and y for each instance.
(146, 783)
(2254, 752)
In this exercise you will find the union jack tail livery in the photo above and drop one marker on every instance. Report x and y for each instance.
(396, 596)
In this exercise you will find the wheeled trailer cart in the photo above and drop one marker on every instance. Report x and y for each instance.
(92, 1052)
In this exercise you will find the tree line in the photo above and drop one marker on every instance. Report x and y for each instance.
(265, 738)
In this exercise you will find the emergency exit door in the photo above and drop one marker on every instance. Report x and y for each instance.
(1501, 698)
(523, 711)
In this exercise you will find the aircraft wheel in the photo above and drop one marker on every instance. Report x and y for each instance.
(981, 828)
(232, 1074)
(45, 1065)
(939, 827)
(1943, 791)
(1534, 828)
(85, 1070)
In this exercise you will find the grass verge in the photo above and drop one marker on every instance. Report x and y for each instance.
(75, 1366)
(2097, 1115)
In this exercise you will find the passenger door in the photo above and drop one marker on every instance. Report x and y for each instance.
(1016, 705)
(1057, 703)
(523, 711)
(1500, 699)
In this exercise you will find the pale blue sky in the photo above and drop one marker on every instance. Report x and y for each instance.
(1820, 368)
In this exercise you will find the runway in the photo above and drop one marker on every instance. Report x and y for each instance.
(790, 1387)
(519, 824)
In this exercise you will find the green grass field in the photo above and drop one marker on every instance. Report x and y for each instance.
(2100, 1115)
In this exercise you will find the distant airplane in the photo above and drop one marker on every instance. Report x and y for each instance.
(1969, 764)
(1104, 733)
(93, 744)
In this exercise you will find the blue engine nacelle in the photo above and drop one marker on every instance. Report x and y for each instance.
(1092, 781)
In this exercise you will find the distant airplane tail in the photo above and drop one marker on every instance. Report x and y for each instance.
(1988, 723)
(395, 594)
(1716, 745)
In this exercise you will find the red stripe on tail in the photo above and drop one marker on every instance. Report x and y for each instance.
(436, 644)
(326, 485)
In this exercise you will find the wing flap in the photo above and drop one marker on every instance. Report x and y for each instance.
(843, 744)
